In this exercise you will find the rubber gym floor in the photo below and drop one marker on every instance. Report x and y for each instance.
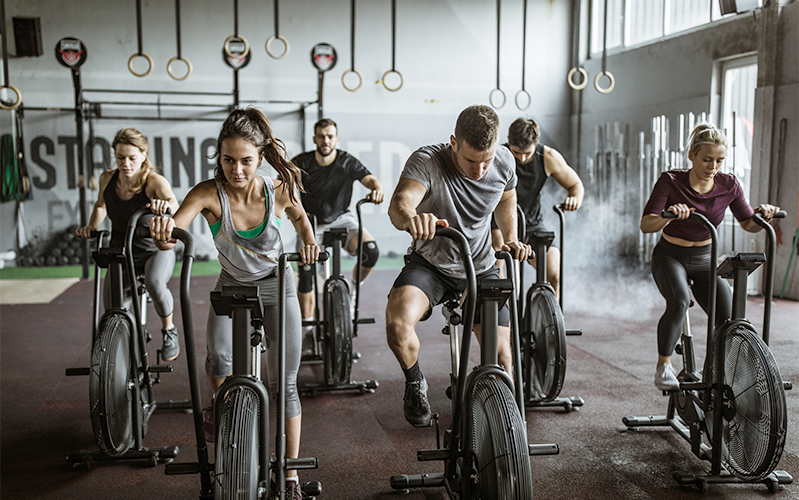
(362, 440)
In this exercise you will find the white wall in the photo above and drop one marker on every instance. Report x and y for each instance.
(446, 50)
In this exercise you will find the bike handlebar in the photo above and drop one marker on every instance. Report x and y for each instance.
(296, 257)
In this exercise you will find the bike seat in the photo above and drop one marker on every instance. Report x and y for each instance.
(746, 261)
(229, 297)
(545, 237)
(109, 255)
(331, 235)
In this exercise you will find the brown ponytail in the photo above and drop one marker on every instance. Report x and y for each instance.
(251, 125)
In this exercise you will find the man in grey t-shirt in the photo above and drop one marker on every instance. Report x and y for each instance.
(459, 185)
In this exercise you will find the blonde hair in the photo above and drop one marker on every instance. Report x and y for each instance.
(705, 133)
(132, 137)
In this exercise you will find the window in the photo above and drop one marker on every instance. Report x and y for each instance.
(631, 22)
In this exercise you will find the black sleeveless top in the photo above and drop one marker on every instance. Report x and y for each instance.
(532, 177)
(119, 212)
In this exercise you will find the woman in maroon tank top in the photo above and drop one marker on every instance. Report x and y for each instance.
(134, 184)
(683, 251)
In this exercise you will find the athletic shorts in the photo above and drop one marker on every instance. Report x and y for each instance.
(439, 288)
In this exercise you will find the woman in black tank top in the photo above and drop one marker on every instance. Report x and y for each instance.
(133, 185)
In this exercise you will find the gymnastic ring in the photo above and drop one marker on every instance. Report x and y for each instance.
(529, 99)
(269, 44)
(491, 98)
(609, 87)
(344, 82)
(172, 61)
(16, 103)
(577, 86)
(149, 61)
(231, 54)
(402, 80)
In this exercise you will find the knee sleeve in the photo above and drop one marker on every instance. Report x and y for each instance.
(306, 279)
(370, 254)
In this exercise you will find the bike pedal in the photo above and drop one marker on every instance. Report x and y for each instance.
(160, 368)
(183, 468)
(312, 488)
(576, 332)
(72, 372)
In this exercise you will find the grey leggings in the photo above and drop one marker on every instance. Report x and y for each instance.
(672, 266)
(157, 271)
(219, 334)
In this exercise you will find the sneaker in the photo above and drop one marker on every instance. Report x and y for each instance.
(307, 343)
(293, 491)
(171, 348)
(417, 407)
(666, 378)
(208, 424)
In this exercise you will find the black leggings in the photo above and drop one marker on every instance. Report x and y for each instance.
(672, 267)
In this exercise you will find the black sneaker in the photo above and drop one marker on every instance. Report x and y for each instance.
(171, 348)
(417, 407)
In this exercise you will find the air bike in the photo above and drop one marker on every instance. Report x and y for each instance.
(543, 330)
(733, 413)
(485, 452)
(333, 334)
(121, 377)
(243, 468)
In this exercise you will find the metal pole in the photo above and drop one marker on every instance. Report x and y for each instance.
(82, 174)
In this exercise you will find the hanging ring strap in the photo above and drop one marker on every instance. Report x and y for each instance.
(235, 36)
(6, 85)
(178, 57)
(393, 50)
(523, 92)
(605, 72)
(277, 36)
(497, 89)
(140, 53)
(352, 53)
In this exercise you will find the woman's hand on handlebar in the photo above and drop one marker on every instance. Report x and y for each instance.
(85, 232)
(309, 254)
(519, 250)
(681, 210)
(159, 207)
(423, 226)
(767, 211)
(161, 229)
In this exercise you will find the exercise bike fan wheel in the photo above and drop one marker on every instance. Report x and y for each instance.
(497, 457)
(338, 345)
(754, 423)
(110, 390)
(545, 346)
(237, 447)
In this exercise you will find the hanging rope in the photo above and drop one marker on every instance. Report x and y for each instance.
(178, 57)
(140, 52)
(6, 83)
(277, 36)
(235, 37)
(604, 71)
(575, 58)
(393, 50)
(352, 53)
(524, 60)
(497, 89)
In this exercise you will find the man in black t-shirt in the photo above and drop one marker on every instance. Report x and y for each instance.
(327, 176)
(535, 163)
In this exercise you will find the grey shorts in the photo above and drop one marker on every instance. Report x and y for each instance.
(346, 220)
(439, 287)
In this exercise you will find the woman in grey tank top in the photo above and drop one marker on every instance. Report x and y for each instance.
(243, 210)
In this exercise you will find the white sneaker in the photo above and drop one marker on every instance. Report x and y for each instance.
(666, 378)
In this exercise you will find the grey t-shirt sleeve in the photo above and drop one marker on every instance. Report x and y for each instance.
(504, 155)
(417, 168)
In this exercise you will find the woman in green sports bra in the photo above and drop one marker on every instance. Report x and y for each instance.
(243, 210)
